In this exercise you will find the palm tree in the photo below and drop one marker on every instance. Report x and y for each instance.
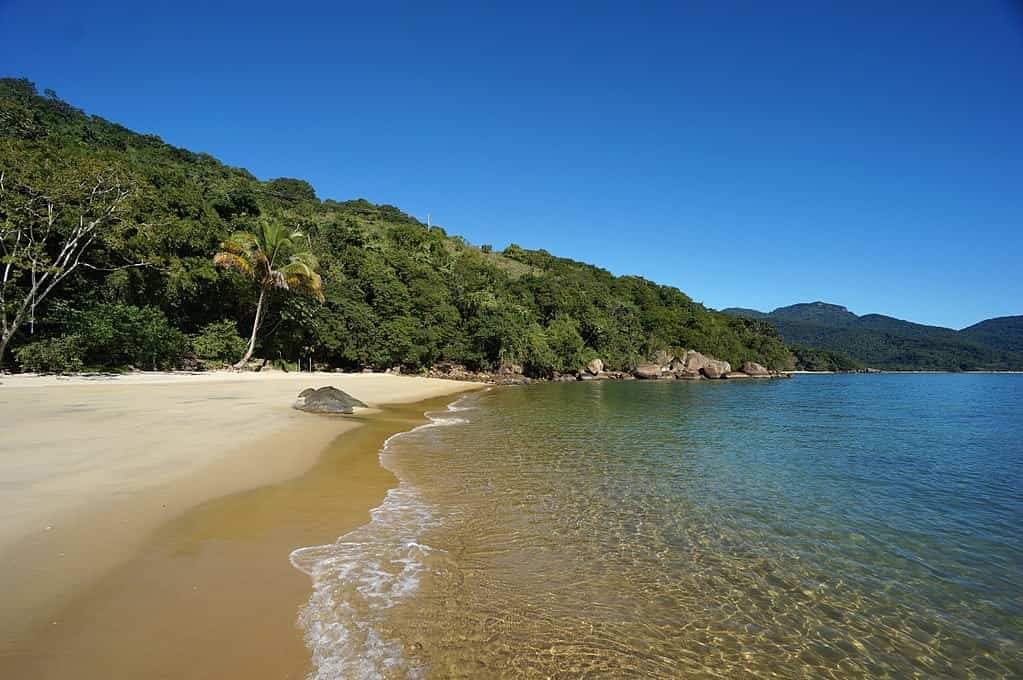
(272, 258)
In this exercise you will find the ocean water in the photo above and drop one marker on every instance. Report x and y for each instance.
(824, 526)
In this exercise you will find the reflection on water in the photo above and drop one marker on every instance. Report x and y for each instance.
(835, 526)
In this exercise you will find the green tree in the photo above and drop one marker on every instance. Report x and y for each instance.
(55, 208)
(272, 258)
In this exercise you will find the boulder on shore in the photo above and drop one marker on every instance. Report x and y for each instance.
(677, 365)
(754, 369)
(689, 375)
(695, 361)
(595, 367)
(714, 369)
(326, 400)
(737, 375)
(647, 372)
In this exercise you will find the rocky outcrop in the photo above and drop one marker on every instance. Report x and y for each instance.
(647, 372)
(512, 380)
(755, 370)
(689, 375)
(715, 369)
(326, 400)
(510, 369)
(595, 367)
(662, 358)
(450, 371)
(677, 366)
(694, 361)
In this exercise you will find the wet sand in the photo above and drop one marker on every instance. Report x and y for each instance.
(152, 564)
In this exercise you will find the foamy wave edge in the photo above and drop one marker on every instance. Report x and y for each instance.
(356, 579)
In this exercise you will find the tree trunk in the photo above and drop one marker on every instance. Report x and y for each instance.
(3, 347)
(255, 329)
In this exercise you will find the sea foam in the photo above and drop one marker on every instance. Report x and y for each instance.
(366, 572)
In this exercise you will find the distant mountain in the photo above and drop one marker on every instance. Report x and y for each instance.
(821, 313)
(745, 313)
(1005, 332)
(885, 342)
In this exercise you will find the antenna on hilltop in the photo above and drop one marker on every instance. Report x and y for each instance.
(428, 220)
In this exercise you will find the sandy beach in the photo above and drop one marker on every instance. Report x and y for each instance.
(100, 475)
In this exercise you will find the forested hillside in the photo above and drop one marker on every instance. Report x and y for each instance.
(887, 343)
(1004, 332)
(140, 287)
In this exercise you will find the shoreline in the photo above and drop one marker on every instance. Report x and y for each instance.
(96, 468)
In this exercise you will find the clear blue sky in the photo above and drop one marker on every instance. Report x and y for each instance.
(754, 154)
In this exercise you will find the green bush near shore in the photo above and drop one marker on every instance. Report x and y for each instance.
(219, 343)
(52, 355)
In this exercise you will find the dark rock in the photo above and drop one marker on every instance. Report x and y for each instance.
(326, 400)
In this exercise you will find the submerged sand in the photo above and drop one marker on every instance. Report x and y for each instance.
(90, 468)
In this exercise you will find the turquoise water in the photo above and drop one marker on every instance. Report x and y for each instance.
(824, 526)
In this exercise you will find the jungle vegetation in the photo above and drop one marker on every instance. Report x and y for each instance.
(188, 258)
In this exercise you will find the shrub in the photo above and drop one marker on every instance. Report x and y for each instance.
(219, 342)
(54, 355)
(120, 335)
(563, 338)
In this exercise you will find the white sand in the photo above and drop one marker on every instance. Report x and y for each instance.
(90, 466)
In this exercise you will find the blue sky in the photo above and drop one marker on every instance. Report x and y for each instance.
(752, 154)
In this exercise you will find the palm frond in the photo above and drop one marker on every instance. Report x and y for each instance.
(241, 242)
(240, 264)
(300, 277)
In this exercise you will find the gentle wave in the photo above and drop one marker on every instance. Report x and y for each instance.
(366, 572)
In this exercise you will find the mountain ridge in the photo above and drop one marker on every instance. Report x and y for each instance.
(886, 342)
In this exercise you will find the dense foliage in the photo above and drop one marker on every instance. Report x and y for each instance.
(815, 359)
(395, 292)
(1004, 332)
(893, 344)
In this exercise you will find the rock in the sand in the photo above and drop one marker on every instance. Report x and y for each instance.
(754, 369)
(647, 372)
(595, 367)
(714, 369)
(326, 400)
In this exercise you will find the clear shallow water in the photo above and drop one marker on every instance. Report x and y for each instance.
(825, 526)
